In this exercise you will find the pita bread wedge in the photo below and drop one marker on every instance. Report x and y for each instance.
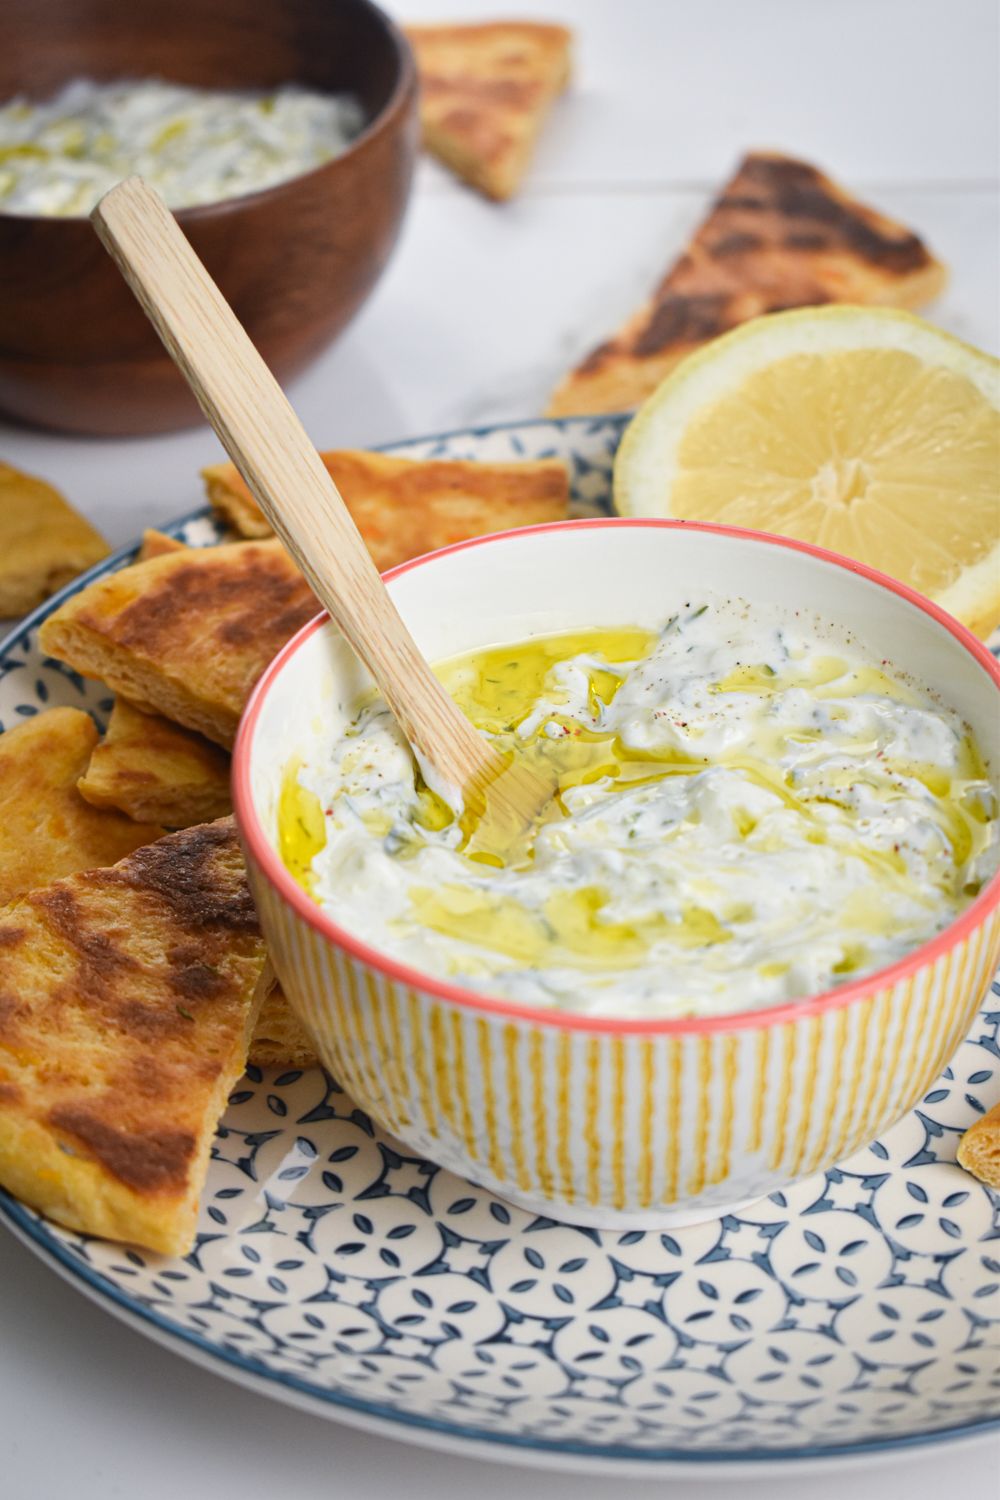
(153, 770)
(186, 634)
(156, 543)
(43, 542)
(146, 762)
(404, 507)
(46, 828)
(979, 1149)
(127, 996)
(278, 1039)
(780, 235)
(485, 91)
(227, 493)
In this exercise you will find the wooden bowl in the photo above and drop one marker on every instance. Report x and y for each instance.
(296, 261)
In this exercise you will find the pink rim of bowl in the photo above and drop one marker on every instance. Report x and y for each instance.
(267, 858)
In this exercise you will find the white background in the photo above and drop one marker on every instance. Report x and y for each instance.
(478, 315)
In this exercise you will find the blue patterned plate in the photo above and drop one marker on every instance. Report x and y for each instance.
(858, 1311)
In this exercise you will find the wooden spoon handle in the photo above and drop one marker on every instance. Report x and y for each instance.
(267, 443)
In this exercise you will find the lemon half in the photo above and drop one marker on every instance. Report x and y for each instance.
(860, 429)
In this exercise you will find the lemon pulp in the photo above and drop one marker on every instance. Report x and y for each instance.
(863, 430)
(850, 450)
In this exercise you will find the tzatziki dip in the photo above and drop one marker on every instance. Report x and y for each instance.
(750, 810)
(193, 145)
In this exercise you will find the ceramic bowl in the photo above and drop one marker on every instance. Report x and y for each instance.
(296, 261)
(619, 1124)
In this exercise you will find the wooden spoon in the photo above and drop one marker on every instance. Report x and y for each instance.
(270, 448)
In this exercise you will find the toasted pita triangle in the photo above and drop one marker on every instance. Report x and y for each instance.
(404, 507)
(152, 769)
(979, 1149)
(129, 996)
(43, 542)
(188, 633)
(145, 761)
(780, 235)
(485, 91)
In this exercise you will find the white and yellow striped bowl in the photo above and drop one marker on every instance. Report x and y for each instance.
(619, 1124)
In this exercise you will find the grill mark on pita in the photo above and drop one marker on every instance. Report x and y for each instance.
(147, 1161)
(735, 243)
(806, 240)
(100, 960)
(281, 625)
(796, 194)
(785, 171)
(740, 201)
(905, 254)
(682, 319)
(183, 870)
(121, 1056)
(197, 981)
(598, 357)
(799, 192)
(146, 1023)
(251, 596)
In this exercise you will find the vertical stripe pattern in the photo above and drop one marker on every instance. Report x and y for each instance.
(596, 1124)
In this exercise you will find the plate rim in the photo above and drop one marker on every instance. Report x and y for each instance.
(609, 1458)
(429, 1432)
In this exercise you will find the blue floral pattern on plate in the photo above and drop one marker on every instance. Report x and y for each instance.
(861, 1308)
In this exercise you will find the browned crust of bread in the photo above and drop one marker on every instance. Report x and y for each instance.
(188, 633)
(404, 507)
(157, 543)
(485, 91)
(279, 1039)
(127, 996)
(979, 1149)
(47, 830)
(227, 493)
(780, 235)
(156, 771)
(44, 542)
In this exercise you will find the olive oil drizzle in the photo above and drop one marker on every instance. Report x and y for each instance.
(499, 688)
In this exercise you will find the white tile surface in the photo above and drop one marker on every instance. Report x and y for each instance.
(480, 312)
